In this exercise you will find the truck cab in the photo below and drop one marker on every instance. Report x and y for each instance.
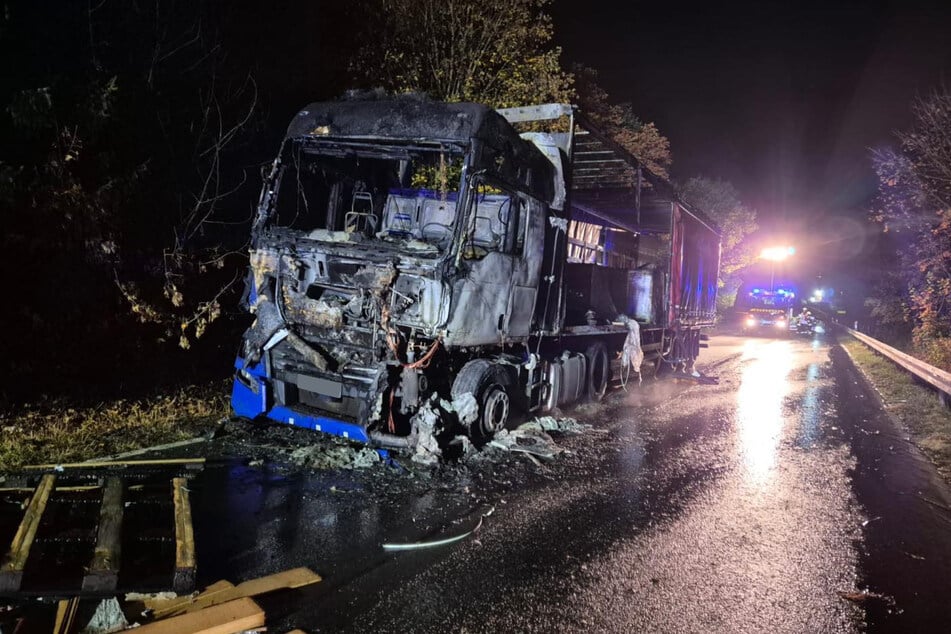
(408, 254)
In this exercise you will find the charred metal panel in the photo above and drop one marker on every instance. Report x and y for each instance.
(419, 301)
(550, 307)
(527, 272)
(480, 301)
(496, 146)
(407, 118)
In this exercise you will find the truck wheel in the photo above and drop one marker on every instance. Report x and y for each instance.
(489, 383)
(598, 373)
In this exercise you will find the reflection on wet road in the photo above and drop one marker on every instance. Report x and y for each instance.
(763, 387)
(810, 411)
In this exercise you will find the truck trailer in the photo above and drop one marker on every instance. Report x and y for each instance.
(406, 251)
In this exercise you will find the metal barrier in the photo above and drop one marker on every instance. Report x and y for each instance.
(937, 378)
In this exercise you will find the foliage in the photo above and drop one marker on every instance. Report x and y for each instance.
(643, 140)
(914, 208)
(888, 309)
(720, 200)
(58, 432)
(123, 119)
(496, 52)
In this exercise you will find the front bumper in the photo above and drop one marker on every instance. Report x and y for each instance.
(253, 396)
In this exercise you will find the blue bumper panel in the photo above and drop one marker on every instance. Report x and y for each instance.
(323, 424)
(252, 402)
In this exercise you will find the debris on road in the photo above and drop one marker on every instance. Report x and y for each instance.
(437, 439)
(534, 442)
(439, 542)
(532, 438)
(561, 425)
(862, 597)
(341, 456)
(239, 615)
(224, 592)
(426, 425)
(221, 608)
(678, 377)
(291, 448)
(107, 619)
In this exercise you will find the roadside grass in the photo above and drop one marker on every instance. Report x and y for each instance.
(54, 432)
(915, 406)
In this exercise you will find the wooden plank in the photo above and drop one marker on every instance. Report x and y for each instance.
(235, 616)
(185, 563)
(65, 615)
(288, 579)
(217, 586)
(157, 603)
(85, 487)
(163, 447)
(117, 463)
(11, 570)
(102, 573)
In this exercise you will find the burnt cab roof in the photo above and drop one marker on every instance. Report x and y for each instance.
(419, 119)
(402, 118)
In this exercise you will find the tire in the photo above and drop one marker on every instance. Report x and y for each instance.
(598, 372)
(490, 384)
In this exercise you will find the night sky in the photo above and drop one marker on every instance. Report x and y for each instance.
(783, 99)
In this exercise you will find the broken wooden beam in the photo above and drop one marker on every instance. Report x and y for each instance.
(102, 573)
(235, 616)
(11, 570)
(185, 563)
(223, 592)
(117, 463)
(65, 615)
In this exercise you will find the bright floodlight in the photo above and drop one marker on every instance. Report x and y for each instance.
(777, 253)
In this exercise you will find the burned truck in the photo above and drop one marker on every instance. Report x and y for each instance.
(406, 252)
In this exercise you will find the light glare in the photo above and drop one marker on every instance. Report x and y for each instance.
(777, 254)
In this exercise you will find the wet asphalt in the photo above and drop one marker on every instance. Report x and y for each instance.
(752, 505)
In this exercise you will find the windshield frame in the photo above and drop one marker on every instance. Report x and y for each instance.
(359, 148)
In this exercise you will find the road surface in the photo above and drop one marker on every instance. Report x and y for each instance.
(782, 499)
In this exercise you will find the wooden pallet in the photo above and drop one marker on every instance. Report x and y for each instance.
(102, 572)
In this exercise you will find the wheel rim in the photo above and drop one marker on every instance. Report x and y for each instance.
(495, 411)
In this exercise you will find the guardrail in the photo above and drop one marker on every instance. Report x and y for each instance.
(936, 377)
